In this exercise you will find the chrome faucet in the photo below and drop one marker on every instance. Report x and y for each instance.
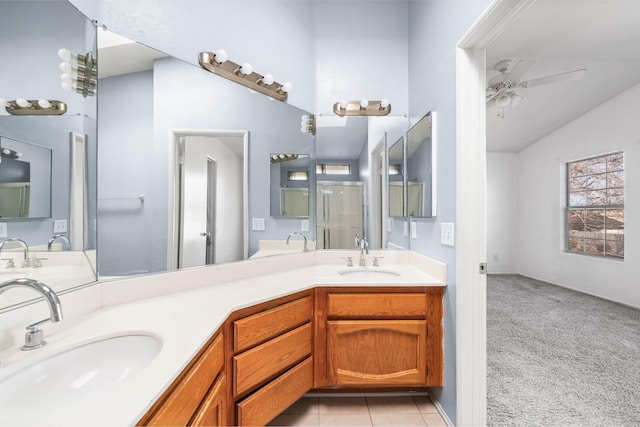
(34, 337)
(25, 261)
(56, 237)
(299, 234)
(363, 244)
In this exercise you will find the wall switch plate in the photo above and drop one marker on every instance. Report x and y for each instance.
(414, 230)
(258, 224)
(3, 229)
(60, 226)
(446, 234)
(405, 229)
(389, 225)
(304, 225)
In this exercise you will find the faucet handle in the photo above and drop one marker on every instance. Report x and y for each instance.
(37, 262)
(10, 263)
(349, 261)
(376, 262)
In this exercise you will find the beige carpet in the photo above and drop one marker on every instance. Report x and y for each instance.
(556, 357)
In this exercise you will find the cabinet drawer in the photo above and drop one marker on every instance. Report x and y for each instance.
(376, 305)
(263, 405)
(265, 361)
(377, 352)
(263, 326)
(191, 386)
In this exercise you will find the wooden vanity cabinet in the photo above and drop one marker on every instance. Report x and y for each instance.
(198, 394)
(378, 337)
(270, 365)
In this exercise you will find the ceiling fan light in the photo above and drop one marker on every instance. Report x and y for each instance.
(516, 99)
(503, 101)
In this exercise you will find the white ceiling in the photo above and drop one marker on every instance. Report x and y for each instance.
(602, 36)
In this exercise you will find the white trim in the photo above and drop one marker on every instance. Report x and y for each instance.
(172, 216)
(78, 192)
(441, 411)
(378, 235)
(434, 162)
(471, 248)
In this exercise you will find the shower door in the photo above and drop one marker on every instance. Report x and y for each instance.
(340, 214)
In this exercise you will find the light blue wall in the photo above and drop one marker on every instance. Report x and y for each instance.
(435, 28)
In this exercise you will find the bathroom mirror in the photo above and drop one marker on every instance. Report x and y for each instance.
(151, 116)
(31, 34)
(25, 180)
(289, 179)
(395, 172)
(421, 163)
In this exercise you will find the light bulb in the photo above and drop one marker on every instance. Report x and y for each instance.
(64, 54)
(3, 103)
(65, 67)
(6, 151)
(66, 86)
(246, 68)
(304, 129)
(344, 104)
(384, 103)
(364, 103)
(43, 103)
(268, 79)
(286, 87)
(67, 78)
(221, 56)
(23, 103)
(503, 101)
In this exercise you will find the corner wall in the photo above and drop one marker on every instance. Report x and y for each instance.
(610, 127)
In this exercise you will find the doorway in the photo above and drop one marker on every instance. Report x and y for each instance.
(208, 210)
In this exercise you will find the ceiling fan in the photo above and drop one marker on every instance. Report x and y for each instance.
(502, 90)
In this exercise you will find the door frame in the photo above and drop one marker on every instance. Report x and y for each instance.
(378, 194)
(174, 187)
(471, 245)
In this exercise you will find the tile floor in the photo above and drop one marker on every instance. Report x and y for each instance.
(361, 411)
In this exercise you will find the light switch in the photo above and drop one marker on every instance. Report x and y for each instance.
(389, 225)
(405, 229)
(414, 230)
(304, 225)
(446, 234)
(60, 226)
(3, 229)
(258, 224)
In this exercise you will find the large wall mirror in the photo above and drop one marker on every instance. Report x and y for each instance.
(58, 152)
(184, 170)
(421, 163)
(290, 176)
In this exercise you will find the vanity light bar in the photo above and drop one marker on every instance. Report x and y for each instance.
(362, 108)
(35, 107)
(218, 63)
(282, 157)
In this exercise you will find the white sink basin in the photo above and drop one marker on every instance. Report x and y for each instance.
(65, 379)
(368, 273)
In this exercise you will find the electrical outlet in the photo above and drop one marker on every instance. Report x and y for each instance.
(304, 225)
(389, 225)
(258, 224)
(60, 226)
(405, 229)
(3, 229)
(414, 230)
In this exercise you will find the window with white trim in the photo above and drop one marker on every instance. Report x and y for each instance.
(595, 206)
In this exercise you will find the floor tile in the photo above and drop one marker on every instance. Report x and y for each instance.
(305, 405)
(342, 405)
(392, 405)
(425, 405)
(302, 420)
(344, 420)
(397, 420)
(434, 420)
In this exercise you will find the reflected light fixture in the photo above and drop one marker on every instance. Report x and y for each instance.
(282, 157)
(308, 124)
(218, 63)
(79, 72)
(34, 107)
(364, 107)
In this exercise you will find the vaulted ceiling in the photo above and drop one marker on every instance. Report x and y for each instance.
(601, 36)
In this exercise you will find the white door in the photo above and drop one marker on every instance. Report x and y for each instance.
(211, 201)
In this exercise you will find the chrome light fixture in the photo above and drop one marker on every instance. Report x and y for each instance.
(79, 72)
(308, 124)
(218, 63)
(364, 107)
(282, 157)
(34, 107)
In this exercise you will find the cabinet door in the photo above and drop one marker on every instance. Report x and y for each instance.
(376, 352)
(212, 412)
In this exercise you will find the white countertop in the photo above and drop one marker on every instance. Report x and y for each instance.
(185, 320)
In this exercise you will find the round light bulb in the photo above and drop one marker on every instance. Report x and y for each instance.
(65, 67)
(6, 151)
(23, 103)
(221, 56)
(67, 78)
(66, 86)
(384, 103)
(246, 68)
(344, 104)
(286, 87)
(64, 54)
(304, 129)
(43, 103)
(503, 101)
(3, 103)
(268, 79)
(364, 103)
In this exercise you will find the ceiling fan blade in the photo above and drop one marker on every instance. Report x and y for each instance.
(556, 78)
(520, 69)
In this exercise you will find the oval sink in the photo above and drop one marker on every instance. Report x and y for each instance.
(365, 273)
(67, 378)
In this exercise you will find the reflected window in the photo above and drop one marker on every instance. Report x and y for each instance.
(595, 206)
(332, 169)
(298, 176)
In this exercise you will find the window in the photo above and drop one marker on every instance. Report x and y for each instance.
(332, 169)
(297, 176)
(595, 206)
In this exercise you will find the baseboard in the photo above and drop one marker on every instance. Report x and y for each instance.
(442, 412)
